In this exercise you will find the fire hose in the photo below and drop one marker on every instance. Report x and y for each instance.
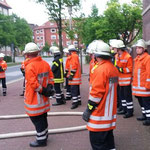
(50, 131)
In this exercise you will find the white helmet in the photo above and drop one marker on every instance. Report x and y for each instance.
(118, 44)
(102, 49)
(31, 48)
(54, 49)
(141, 43)
(65, 50)
(92, 46)
(2, 55)
(71, 48)
(112, 42)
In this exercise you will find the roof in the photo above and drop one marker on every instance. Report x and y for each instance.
(4, 4)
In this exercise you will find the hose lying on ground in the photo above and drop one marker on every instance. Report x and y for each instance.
(51, 131)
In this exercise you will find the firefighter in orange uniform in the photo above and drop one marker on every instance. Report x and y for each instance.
(74, 76)
(3, 67)
(124, 64)
(23, 73)
(39, 86)
(141, 81)
(102, 104)
(67, 66)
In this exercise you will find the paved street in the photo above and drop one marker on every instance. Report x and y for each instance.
(129, 134)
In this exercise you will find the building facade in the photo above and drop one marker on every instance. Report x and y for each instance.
(48, 32)
(146, 22)
(4, 7)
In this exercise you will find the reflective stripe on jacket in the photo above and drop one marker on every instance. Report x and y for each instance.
(104, 93)
(75, 67)
(38, 75)
(141, 78)
(92, 64)
(126, 63)
(3, 64)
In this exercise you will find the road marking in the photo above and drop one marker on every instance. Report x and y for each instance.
(13, 73)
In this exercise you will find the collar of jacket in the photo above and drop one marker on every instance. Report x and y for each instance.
(38, 58)
(141, 57)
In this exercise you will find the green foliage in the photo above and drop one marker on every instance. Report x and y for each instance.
(118, 21)
(46, 47)
(55, 11)
(8, 58)
(14, 30)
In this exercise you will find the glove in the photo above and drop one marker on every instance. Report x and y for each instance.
(90, 108)
(70, 77)
(119, 69)
(65, 74)
(1, 69)
(48, 91)
(86, 115)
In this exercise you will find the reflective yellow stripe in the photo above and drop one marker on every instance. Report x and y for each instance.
(55, 63)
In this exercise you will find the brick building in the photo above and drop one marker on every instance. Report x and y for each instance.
(4, 7)
(146, 22)
(48, 32)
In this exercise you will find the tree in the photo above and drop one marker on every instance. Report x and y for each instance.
(22, 32)
(14, 30)
(120, 21)
(55, 10)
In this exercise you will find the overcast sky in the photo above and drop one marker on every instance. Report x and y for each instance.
(36, 13)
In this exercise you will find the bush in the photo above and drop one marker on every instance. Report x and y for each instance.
(8, 58)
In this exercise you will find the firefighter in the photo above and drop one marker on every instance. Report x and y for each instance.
(141, 81)
(113, 49)
(67, 65)
(39, 86)
(92, 60)
(22, 69)
(58, 71)
(74, 76)
(3, 67)
(124, 64)
(102, 104)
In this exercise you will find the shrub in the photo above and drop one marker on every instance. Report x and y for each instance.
(8, 58)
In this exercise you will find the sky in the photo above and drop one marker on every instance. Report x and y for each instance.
(36, 13)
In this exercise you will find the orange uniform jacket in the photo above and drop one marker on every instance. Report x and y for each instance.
(126, 63)
(3, 64)
(141, 78)
(38, 75)
(75, 67)
(92, 64)
(67, 65)
(104, 93)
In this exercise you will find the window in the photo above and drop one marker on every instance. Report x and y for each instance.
(37, 31)
(41, 37)
(53, 30)
(41, 31)
(53, 37)
(37, 38)
(75, 42)
(68, 42)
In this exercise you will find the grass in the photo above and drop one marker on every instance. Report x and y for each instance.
(13, 64)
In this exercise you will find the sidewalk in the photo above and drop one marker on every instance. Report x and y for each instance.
(129, 134)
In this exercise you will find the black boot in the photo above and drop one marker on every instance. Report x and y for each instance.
(79, 103)
(37, 144)
(74, 105)
(22, 94)
(4, 93)
(128, 115)
(142, 118)
(146, 123)
(122, 112)
(59, 103)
